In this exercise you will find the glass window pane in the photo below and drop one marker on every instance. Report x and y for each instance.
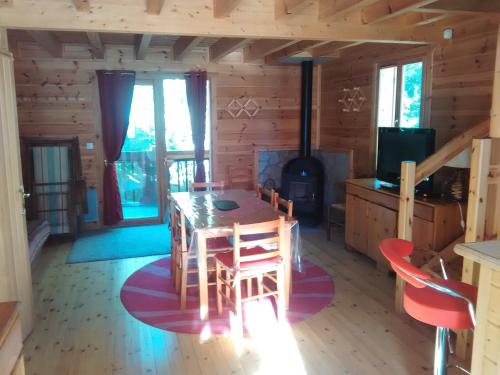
(136, 169)
(386, 108)
(411, 95)
(177, 121)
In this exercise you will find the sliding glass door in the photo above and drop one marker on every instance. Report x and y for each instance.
(158, 153)
(136, 169)
(178, 137)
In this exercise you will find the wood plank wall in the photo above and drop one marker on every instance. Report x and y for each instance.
(459, 96)
(276, 90)
(59, 98)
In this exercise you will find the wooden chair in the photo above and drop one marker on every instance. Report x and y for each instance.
(240, 177)
(248, 260)
(265, 194)
(186, 263)
(206, 186)
(283, 205)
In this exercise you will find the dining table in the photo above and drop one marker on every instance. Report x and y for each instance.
(205, 220)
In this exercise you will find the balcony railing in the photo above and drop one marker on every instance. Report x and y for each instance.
(181, 172)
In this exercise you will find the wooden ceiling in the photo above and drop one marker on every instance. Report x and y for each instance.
(269, 30)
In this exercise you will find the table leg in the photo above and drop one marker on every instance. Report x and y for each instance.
(202, 274)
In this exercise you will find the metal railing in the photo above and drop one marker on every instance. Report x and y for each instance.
(181, 172)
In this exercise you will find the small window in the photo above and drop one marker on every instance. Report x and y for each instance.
(400, 95)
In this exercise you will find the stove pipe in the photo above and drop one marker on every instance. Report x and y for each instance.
(306, 108)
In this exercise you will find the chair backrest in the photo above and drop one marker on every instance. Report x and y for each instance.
(179, 231)
(240, 177)
(274, 238)
(283, 205)
(206, 186)
(265, 194)
(396, 252)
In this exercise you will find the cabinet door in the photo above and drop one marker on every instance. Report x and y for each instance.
(356, 228)
(382, 223)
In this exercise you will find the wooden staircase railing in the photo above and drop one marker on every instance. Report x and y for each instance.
(412, 175)
(451, 149)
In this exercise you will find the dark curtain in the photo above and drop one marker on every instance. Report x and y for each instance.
(196, 92)
(116, 89)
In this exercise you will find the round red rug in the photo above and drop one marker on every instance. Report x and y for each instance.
(149, 296)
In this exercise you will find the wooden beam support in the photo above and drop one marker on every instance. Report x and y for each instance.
(154, 7)
(385, 9)
(141, 45)
(416, 19)
(294, 49)
(472, 7)
(495, 105)
(332, 49)
(475, 223)
(264, 47)
(96, 44)
(82, 5)
(184, 45)
(223, 8)
(127, 18)
(405, 219)
(225, 46)
(336, 10)
(284, 8)
(48, 41)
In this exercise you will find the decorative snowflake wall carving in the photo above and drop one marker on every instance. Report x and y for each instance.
(237, 106)
(352, 99)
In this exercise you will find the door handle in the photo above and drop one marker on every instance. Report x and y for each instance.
(25, 195)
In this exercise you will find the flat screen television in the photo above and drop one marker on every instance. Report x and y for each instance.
(400, 144)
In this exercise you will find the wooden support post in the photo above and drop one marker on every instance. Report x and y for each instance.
(475, 224)
(405, 218)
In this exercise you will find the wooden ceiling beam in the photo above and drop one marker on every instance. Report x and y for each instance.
(184, 45)
(225, 46)
(336, 10)
(141, 45)
(416, 19)
(283, 8)
(154, 7)
(96, 44)
(383, 10)
(124, 18)
(294, 49)
(48, 41)
(82, 5)
(223, 8)
(472, 7)
(332, 49)
(264, 47)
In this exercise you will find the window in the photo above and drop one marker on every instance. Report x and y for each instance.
(177, 121)
(400, 95)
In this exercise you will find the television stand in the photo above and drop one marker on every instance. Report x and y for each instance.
(372, 215)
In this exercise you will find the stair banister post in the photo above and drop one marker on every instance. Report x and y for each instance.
(405, 218)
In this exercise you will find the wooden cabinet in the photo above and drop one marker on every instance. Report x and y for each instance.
(372, 215)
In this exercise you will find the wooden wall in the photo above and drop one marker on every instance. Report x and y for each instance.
(59, 98)
(276, 90)
(460, 76)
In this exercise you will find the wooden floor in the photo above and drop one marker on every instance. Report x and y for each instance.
(82, 328)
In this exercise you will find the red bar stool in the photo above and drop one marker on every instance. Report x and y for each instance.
(445, 304)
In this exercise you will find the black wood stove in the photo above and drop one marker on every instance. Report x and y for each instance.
(302, 178)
